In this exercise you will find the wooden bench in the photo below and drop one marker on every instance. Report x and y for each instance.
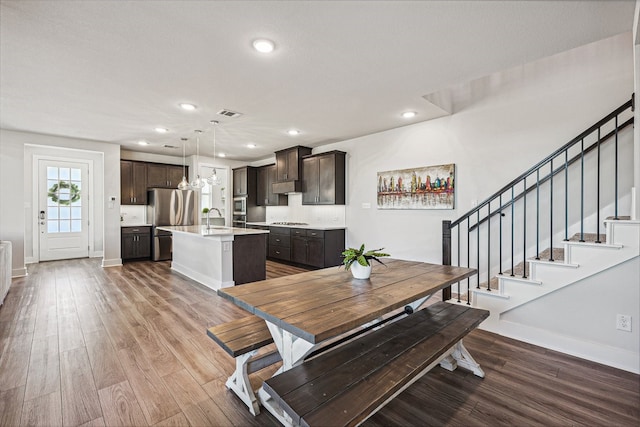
(242, 338)
(347, 385)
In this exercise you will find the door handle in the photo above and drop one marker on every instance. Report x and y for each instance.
(41, 216)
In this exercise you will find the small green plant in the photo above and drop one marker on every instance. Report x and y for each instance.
(352, 255)
(205, 210)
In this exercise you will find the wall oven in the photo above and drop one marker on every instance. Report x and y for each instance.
(239, 220)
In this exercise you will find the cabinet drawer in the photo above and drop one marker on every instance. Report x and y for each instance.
(298, 232)
(280, 230)
(315, 233)
(279, 252)
(279, 240)
(136, 230)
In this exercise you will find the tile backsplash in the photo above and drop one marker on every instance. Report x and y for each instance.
(314, 215)
(133, 214)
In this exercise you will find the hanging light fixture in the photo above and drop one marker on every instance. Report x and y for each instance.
(214, 179)
(184, 184)
(197, 183)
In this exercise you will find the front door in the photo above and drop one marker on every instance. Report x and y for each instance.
(63, 209)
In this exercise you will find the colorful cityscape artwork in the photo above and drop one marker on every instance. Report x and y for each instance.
(430, 187)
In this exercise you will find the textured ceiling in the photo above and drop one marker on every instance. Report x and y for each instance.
(114, 70)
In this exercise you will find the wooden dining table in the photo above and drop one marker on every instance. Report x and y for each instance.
(307, 310)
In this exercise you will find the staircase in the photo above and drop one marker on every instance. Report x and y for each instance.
(572, 263)
(526, 289)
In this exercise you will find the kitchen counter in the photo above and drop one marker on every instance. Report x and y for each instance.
(220, 256)
(213, 231)
(122, 225)
(306, 226)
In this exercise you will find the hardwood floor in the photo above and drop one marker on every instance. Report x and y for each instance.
(83, 345)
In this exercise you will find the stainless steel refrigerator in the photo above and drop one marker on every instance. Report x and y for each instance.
(169, 207)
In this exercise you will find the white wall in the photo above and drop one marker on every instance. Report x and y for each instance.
(529, 112)
(16, 192)
(636, 157)
(12, 199)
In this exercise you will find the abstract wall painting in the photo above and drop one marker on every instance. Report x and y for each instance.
(430, 187)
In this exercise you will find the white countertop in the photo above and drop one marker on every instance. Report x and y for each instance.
(201, 230)
(122, 225)
(307, 226)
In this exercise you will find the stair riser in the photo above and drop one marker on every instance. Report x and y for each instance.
(623, 233)
(551, 271)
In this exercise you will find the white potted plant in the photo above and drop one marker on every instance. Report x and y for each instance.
(357, 261)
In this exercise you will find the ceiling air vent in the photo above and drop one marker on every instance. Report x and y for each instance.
(228, 113)
(169, 146)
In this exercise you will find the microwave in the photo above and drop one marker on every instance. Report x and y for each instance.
(239, 205)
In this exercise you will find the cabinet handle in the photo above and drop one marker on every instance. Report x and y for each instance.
(277, 240)
(134, 199)
(277, 252)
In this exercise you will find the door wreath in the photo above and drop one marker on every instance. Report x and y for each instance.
(74, 192)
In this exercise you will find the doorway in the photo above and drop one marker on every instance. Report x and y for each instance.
(63, 209)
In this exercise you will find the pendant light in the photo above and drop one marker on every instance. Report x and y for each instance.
(214, 179)
(184, 185)
(197, 183)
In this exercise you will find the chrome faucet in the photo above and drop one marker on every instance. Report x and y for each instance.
(217, 210)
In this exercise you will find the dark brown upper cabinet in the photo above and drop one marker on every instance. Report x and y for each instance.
(323, 179)
(288, 163)
(164, 176)
(133, 182)
(266, 197)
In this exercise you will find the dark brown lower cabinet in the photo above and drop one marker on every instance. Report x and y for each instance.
(249, 258)
(317, 248)
(135, 243)
(280, 243)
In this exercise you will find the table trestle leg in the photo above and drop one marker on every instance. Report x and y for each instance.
(458, 355)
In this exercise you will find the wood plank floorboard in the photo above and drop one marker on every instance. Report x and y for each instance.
(92, 346)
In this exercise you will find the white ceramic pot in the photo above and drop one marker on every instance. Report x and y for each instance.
(359, 271)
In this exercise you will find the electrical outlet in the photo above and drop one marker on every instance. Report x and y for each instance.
(623, 322)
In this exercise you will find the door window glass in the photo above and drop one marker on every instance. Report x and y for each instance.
(64, 200)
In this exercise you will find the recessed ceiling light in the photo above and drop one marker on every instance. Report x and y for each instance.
(263, 45)
(162, 130)
(222, 155)
(293, 132)
(188, 107)
(143, 143)
(251, 145)
(409, 114)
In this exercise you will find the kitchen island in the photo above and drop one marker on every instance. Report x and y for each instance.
(218, 257)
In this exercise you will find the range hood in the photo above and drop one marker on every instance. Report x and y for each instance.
(289, 170)
(286, 187)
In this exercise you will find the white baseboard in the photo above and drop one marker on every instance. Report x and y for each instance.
(96, 254)
(31, 260)
(19, 272)
(596, 352)
(111, 262)
(205, 280)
